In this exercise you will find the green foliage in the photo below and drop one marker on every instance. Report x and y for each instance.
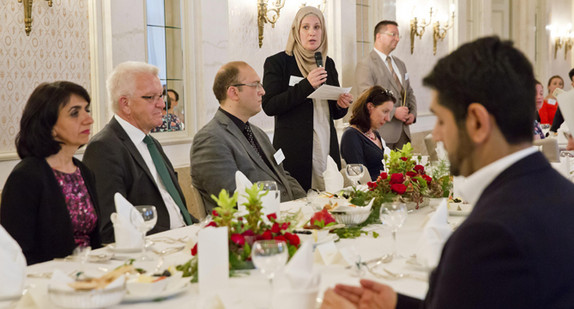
(225, 208)
(254, 206)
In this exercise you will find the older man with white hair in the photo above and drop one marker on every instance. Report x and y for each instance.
(126, 159)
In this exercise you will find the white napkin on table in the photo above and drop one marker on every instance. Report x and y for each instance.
(329, 254)
(126, 233)
(241, 183)
(12, 265)
(298, 285)
(333, 178)
(434, 235)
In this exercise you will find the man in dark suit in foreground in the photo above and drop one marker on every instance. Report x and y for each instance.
(126, 159)
(515, 250)
(229, 143)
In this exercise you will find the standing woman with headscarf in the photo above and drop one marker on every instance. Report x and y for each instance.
(304, 128)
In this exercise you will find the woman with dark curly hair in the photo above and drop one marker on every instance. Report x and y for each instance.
(49, 203)
(361, 143)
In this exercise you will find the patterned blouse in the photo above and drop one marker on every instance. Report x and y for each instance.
(170, 123)
(538, 130)
(82, 213)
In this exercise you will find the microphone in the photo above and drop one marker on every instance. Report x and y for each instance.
(319, 59)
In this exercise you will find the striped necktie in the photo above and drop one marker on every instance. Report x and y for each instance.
(390, 64)
(161, 168)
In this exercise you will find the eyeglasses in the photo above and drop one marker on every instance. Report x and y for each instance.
(152, 98)
(258, 85)
(394, 35)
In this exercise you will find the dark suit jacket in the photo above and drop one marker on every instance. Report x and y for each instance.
(294, 114)
(119, 167)
(220, 149)
(516, 248)
(35, 213)
(373, 71)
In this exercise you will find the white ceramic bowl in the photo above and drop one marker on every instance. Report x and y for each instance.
(98, 298)
(351, 218)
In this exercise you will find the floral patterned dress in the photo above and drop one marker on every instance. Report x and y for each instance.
(170, 123)
(82, 212)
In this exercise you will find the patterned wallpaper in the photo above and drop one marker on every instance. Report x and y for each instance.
(57, 49)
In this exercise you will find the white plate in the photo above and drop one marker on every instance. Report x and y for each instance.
(112, 247)
(459, 209)
(172, 289)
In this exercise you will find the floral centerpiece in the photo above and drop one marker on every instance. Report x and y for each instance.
(244, 231)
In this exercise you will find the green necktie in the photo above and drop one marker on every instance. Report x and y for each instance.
(161, 168)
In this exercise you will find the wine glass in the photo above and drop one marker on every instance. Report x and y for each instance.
(355, 172)
(394, 215)
(272, 199)
(144, 219)
(269, 256)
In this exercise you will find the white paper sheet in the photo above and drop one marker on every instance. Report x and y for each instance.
(566, 105)
(213, 263)
(328, 92)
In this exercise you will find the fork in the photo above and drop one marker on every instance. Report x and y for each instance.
(403, 275)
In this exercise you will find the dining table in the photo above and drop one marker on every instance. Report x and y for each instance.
(249, 288)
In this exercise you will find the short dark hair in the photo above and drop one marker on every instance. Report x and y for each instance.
(553, 77)
(40, 114)
(571, 74)
(227, 75)
(174, 93)
(381, 24)
(493, 73)
(361, 116)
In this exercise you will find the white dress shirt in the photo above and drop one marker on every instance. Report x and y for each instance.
(474, 185)
(395, 68)
(136, 136)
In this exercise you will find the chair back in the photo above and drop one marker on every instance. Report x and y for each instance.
(549, 147)
(431, 147)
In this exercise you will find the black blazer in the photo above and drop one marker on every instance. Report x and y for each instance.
(119, 167)
(35, 213)
(294, 114)
(516, 248)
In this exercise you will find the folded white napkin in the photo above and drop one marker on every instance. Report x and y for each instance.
(333, 178)
(12, 265)
(328, 254)
(241, 182)
(125, 229)
(440, 151)
(297, 286)
(434, 235)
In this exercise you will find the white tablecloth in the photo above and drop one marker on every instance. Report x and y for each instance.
(249, 291)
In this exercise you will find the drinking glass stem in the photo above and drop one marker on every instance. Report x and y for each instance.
(395, 243)
(143, 244)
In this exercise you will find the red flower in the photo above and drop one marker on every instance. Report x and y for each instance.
(384, 175)
(411, 174)
(248, 233)
(428, 179)
(194, 250)
(280, 237)
(267, 235)
(212, 223)
(214, 213)
(399, 188)
(397, 178)
(272, 217)
(372, 185)
(419, 169)
(275, 228)
(238, 239)
(285, 225)
(293, 239)
(404, 158)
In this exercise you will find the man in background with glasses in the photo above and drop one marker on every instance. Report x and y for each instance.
(229, 143)
(126, 159)
(386, 70)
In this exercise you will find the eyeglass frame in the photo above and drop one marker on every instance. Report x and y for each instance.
(254, 84)
(393, 34)
(153, 98)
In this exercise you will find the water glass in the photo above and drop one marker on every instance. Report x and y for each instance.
(355, 172)
(144, 218)
(393, 215)
(272, 199)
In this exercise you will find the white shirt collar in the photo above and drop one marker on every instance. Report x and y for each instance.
(474, 185)
(382, 55)
(135, 134)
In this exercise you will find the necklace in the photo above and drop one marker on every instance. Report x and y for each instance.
(371, 135)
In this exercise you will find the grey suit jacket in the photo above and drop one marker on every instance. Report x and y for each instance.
(119, 167)
(373, 71)
(220, 149)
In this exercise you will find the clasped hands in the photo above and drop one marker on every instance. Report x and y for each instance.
(318, 76)
(369, 295)
(402, 114)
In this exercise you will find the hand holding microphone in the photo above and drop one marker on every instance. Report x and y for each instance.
(318, 76)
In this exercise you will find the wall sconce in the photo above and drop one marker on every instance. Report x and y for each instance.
(562, 38)
(418, 29)
(568, 46)
(28, 14)
(267, 15)
(439, 32)
(321, 6)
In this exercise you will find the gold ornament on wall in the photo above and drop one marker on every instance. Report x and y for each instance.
(28, 13)
(267, 14)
